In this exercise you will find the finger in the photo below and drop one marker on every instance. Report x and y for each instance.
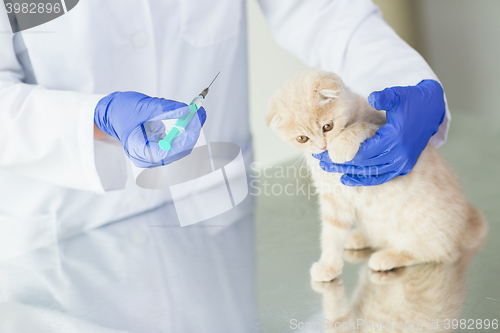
(168, 109)
(431, 88)
(196, 122)
(349, 169)
(351, 180)
(181, 147)
(336, 168)
(152, 152)
(361, 171)
(384, 158)
(155, 130)
(376, 150)
(386, 99)
(186, 140)
(323, 156)
(174, 109)
(142, 151)
(202, 115)
(154, 156)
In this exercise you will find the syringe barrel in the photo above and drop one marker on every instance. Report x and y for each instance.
(198, 101)
(181, 123)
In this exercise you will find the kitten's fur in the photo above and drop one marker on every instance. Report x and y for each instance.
(420, 217)
(425, 297)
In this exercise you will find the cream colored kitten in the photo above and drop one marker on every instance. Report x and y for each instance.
(420, 217)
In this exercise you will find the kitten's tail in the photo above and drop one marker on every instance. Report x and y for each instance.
(475, 230)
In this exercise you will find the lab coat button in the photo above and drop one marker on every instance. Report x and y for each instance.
(140, 39)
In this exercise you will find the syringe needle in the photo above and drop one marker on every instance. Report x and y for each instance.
(213, 80)
(205, 92)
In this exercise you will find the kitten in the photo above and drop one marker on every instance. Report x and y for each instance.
(420, 217)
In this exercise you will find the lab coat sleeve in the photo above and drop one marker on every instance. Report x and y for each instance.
(45, 134)
(350, 38)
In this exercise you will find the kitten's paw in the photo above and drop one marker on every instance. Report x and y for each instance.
(341, 151)
(356, 241)
(323, 287)
(381, 278)
(388, 259)
(383, 260)
(325, 272)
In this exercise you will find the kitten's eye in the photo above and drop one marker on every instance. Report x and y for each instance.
(302, 139)
(328, 127)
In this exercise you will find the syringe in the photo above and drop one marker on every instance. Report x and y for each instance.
(181, 123)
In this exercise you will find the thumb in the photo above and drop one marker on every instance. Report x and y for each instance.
(202, 115)
(167, 109)
(384, 100)
(173, 110)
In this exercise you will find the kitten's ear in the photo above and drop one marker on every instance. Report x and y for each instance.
(273, 120)
(327, 95)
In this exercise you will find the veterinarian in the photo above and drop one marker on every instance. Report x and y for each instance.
(63, 129)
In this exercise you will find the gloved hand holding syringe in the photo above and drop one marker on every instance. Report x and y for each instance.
(140, 123)
(136, 120)
(181, 123)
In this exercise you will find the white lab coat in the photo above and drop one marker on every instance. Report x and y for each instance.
(55, 180)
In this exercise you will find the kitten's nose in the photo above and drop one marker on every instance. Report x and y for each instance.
(324, 148)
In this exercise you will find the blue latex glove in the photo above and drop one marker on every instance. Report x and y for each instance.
(413, 116)
(134, 119)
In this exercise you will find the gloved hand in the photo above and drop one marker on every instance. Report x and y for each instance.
(413, 116)
(135, 120)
